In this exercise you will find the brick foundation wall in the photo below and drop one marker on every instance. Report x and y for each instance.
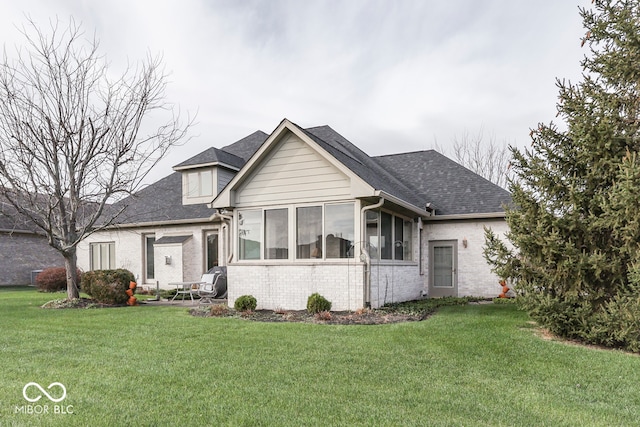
(288, 286)
(395, 283)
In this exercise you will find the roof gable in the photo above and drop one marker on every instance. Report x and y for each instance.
(358, 187)
(292, 172)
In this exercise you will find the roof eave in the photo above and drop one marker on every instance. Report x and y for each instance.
(160, 223)
(393, 199)
(205, 165)
(467, 216)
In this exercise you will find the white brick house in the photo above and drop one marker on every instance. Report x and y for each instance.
(302, 211)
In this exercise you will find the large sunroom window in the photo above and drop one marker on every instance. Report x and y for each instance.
(339, 230)
(309, 232)
(249, 234)
(276, 234)
(320, 232)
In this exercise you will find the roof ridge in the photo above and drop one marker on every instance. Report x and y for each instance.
(408, 152)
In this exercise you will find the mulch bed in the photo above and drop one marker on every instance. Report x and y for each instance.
(360, 317)
(78, 303)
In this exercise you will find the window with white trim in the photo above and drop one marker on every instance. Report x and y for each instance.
(249, 234)
(309, 232)
(149, 258)
(320, 232)
(200, 183)
(276, 233)
(339, 230)
(103, 255)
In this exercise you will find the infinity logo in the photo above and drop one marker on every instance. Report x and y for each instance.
(43, 391)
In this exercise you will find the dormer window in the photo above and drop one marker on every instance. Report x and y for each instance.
(199, 184)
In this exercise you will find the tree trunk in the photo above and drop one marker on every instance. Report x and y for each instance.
(70, 262)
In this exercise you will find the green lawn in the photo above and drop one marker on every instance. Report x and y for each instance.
(469, 365)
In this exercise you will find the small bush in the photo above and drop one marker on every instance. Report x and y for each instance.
(317, 303)
(108, 286)
(54, 279)
(245, 303)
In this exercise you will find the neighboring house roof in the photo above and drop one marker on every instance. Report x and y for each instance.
(12, 221)
(449, 186)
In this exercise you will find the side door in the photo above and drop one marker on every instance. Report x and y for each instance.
(443, 268)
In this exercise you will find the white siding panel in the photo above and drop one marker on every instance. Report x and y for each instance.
(293, 173)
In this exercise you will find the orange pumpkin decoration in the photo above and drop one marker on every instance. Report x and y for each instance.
(505, 289)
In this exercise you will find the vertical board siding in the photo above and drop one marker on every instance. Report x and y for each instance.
(293, 173)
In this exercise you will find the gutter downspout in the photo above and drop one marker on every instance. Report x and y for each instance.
(364, 253)
(226, 231)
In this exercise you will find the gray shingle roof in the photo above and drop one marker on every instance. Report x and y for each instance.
(160, 201)
(375, 174)
(416, 178)
(213, 156)
(452, 188)
(247, 146)
(170, 240)
(11, 220)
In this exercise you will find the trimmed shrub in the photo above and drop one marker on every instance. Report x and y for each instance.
(54, 279)
(316, 303)
(108, 286)
(245, 303)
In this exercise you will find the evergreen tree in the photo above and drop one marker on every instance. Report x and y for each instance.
(573, 248)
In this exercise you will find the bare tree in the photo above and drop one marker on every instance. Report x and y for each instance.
(72, 138)
(488, 159)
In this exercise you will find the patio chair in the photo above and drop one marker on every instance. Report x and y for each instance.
(215, 285)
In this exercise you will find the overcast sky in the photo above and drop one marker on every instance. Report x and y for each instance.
(390, 75)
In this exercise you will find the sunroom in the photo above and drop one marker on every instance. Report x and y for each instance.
(303, 221)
